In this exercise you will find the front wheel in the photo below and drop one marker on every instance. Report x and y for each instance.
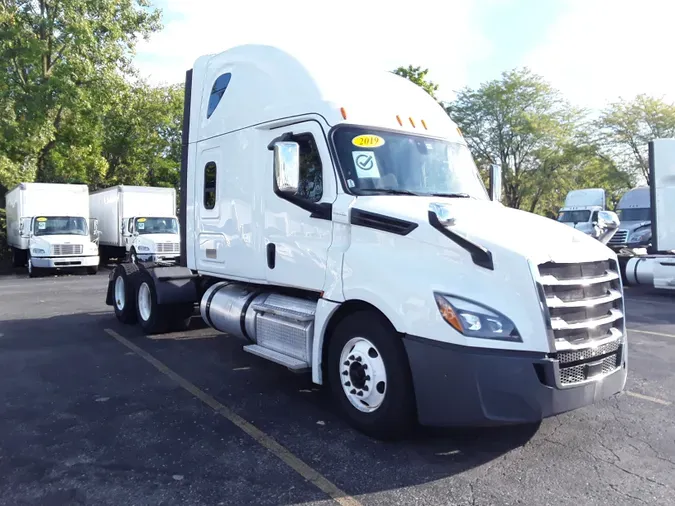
(369, 375)
(33, 272)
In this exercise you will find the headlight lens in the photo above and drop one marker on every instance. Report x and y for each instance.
(475, 320)
(642, 235)
(37, 251)
(143, 248)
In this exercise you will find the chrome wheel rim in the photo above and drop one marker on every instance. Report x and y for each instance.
(363, 374)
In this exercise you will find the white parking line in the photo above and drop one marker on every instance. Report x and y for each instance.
(651, 333)
(648, 398)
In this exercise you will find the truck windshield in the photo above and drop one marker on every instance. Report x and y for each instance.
(376, 161)
(635, 214)
(60, 225)
(156, 226)
(580, 216)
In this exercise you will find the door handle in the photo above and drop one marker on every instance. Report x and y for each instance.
(271, 255)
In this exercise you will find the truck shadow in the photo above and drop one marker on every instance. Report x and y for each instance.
(112, 387)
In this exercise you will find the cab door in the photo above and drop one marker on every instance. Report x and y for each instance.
(298, 232)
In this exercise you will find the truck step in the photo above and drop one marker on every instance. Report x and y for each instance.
(293, 364)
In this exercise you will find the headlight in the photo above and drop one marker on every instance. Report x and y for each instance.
(37, 251)
(143, 248)
(475, 320)
(642, 235)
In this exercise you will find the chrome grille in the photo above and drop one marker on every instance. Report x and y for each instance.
(620, 237)
(578, 373)
(583, 354)
(586, 317)
(168, 247)
(67, 249)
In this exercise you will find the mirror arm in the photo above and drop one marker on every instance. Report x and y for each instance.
(286, 137)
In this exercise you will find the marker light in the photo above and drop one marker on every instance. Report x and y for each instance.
(412, 122)
(424, 124)
(344, 112)
(398, 118)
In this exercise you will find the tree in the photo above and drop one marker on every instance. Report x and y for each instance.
(520, 122)
(419, 77)
(141, 138)
(627, 127)
(62, 63)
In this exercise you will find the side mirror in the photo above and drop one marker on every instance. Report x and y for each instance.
(287, 166)
(608, 223)
(95, 225)
(496, 182)
(24, 228)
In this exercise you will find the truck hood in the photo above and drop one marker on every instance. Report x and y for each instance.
(493, 226)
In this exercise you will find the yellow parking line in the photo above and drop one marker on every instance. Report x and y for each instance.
(649, 332)
(648, 398)
(281, 452)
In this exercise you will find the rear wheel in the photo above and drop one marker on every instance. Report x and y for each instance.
(158, 318)
(124, 294)
(369, 375)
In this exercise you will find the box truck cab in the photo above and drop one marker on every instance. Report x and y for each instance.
(634, 236)
(137, 222)
(581, 210)
(334, 220)
(48, 227)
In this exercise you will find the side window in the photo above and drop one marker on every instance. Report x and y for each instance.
(210, 185)
(217, 92)
(311, 172)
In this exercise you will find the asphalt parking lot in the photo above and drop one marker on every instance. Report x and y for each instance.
(94, 413)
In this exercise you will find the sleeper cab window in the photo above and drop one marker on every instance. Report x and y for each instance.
(217, 92)
(210, 185)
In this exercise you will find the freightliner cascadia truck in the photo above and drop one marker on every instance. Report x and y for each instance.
(335, 221)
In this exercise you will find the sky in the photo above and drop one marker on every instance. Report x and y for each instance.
(593, 51)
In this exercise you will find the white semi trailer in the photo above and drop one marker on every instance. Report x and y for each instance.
(48, 227)
(658, 268)
(137, 222)
(335, 220)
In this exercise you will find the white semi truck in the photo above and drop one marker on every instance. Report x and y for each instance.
(581, 210)
(634, 236)
(137, 222)
(658, 268)
(335, 221)
(48, 227)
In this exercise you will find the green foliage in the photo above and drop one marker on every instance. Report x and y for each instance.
(626, 127)
(522, 123)
(63, 63)
(419, 77)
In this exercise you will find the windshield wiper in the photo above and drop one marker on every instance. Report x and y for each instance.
(391, 191)
(457, 195)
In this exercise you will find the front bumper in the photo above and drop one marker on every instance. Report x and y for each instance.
(64, 262)
(158, 257)
(460, 386)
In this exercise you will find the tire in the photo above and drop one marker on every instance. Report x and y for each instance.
(124, 292)
(93, 270)
(152, 317)
(33, 272)
(368, 336)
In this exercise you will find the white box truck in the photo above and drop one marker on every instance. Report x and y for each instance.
(48, 227)
(334, 220)
(137, 222)
(658, 268)
(581, 210)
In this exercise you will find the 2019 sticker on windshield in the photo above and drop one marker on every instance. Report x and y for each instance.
(368, 141)
(41, 219)
(366, 164)
(141, 220)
